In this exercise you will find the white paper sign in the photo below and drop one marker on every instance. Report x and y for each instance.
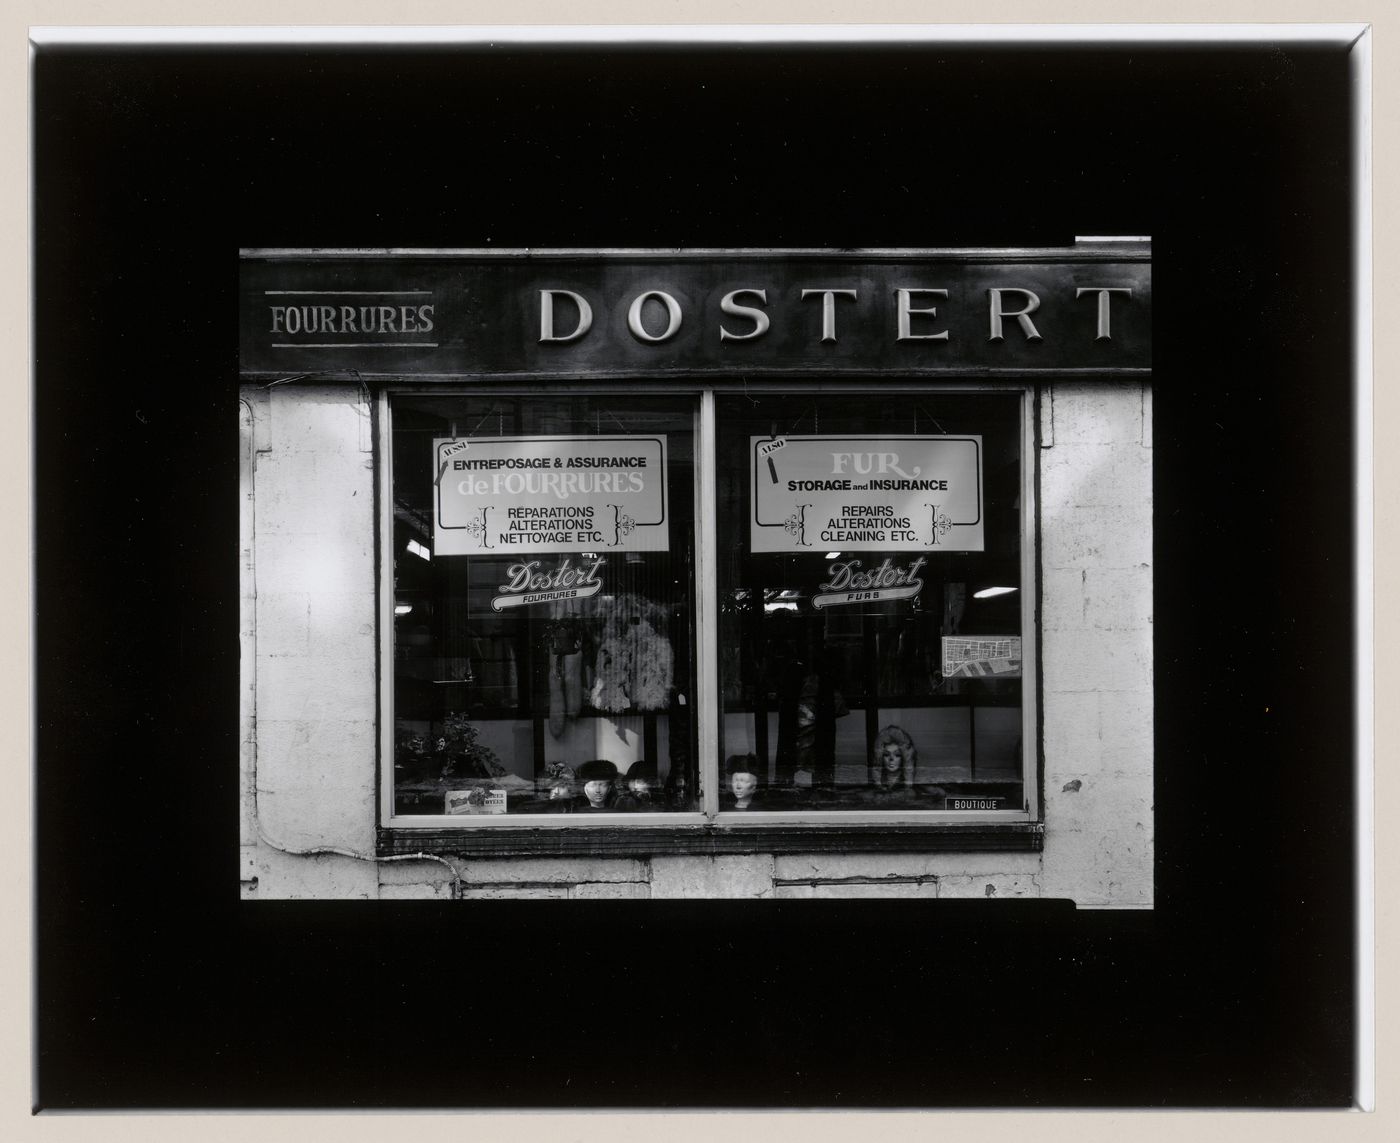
(864, 494)
(504, 495)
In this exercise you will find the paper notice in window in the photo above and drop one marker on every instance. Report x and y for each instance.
(981, 656)
(476, 801)
(866, 494)
(509, 495)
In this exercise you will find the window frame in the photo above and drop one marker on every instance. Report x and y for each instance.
(710, 829)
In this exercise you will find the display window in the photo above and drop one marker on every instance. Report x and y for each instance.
(872, 635)
(543, 605)
(863, 554)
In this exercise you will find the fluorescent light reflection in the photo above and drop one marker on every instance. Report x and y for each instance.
(419, 550)
(991, 592)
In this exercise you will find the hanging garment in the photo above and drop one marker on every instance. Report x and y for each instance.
(653, 664)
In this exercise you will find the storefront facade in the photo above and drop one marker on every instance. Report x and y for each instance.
(657, 574)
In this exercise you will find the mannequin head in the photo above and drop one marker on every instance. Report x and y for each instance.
(597, 777)
(641, 776)
(893, 757)
(743, 779)
(559, 786)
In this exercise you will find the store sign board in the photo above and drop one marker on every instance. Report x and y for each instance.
(473, 315)
(866, 494)
(506, 495)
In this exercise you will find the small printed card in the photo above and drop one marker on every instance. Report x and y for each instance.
(476, 801)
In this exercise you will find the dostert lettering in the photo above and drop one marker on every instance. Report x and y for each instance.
(526, 576)
(847, 576)
(847, 583)
(906, 319)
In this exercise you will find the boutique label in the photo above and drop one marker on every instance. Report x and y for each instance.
(954, 803)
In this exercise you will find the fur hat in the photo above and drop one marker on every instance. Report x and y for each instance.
(642, 769)
(598, 770)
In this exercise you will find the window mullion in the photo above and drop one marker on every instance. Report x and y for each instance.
(707, 702)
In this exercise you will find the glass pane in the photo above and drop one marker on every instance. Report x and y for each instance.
(543, 605)
(870, 598)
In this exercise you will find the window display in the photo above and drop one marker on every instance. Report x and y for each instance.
(870, 567)
(543, 605)
(875, 538)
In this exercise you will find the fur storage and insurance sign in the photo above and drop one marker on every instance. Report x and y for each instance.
(865, 494)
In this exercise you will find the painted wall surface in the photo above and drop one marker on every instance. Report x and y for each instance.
(1096, 642)
(309, 699)
(314, 648)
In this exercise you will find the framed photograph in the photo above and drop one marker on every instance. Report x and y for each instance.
(735, 546)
